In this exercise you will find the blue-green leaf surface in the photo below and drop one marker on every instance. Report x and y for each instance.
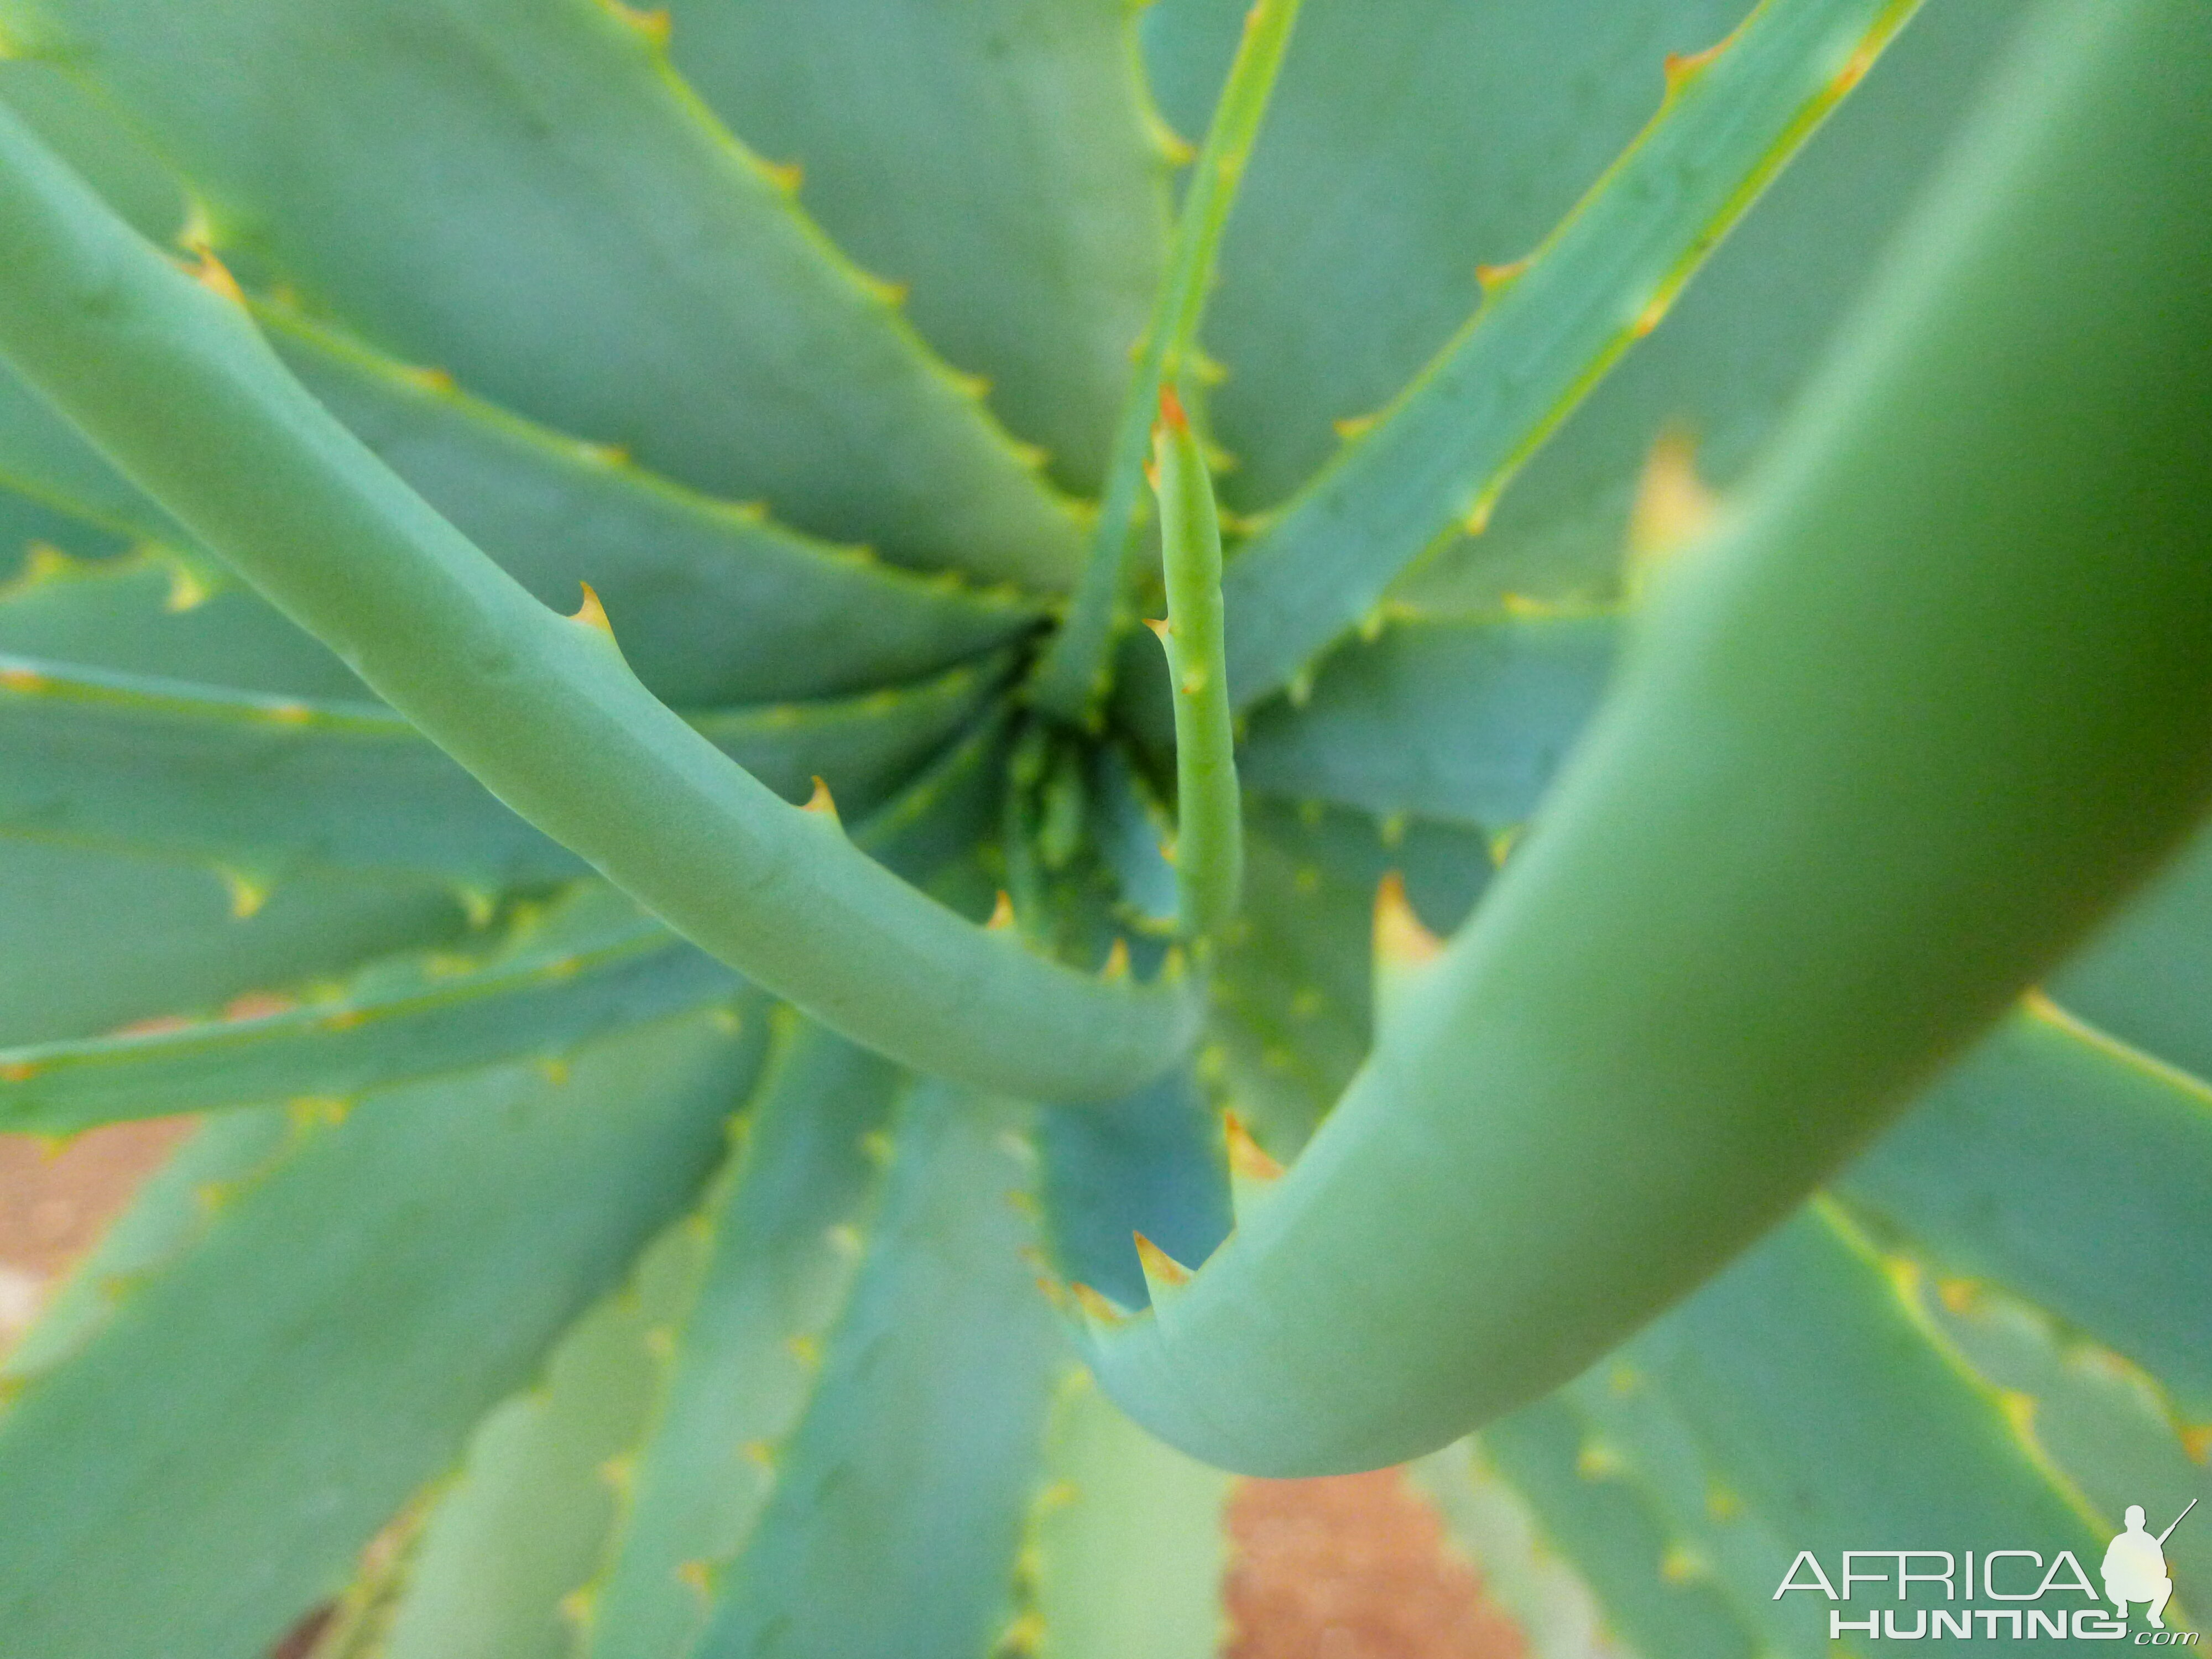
(221, 1430)
(607, 260)
(1022, 124)
(1459, 719)
(782, 1235)
(900, 1499)
(2059, 1162)
(280, 784)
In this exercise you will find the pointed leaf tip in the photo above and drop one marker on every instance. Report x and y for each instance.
(1098, 1309)
(1171, 411)
(1401, 939)
(820, 801)
(1161, 1269)
(1248, 1161)
(213, 274)
(592, 613)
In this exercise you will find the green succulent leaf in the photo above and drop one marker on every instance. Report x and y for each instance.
(1437, 458)
(520, 696)
(611, 261)
(521, 1529)
(1127, 1542)
(302, 1320)
(1459, 719)
(783, 1235)
(2029, 1164)
(899, 1498)
(281, 784)
(1021, 123)
(1968, 686)
(91, 941)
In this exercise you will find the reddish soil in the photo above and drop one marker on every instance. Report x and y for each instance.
(1350, 1568)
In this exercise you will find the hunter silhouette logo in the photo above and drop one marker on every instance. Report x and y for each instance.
(2135, 1567)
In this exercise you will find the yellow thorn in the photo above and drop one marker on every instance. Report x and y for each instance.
(653, 25)
(805, 1349)
(188, 589)
(212, 273)
(44, 562)
(1478, 516)
(247, 893)
(785, 176)
(578, 1606)
(1596, 1461)
(760, 1453)
(17, 1071)
(1095, 1306)
(1721, 1504)
(1353, 426)
(1652, 315)
(697, 1576)
(22, 679)
(1159, 1267)
(1672, 508)
(894, 294)
(1855, 68)
(553, 1069)
(1246, 1157)
(619, 1471)
(592, 613)
(1117, 960)
(1163, 630)
(1002, 913)
(820, 804)
(427, 380)
(1957, 1296)
(1681, 1565)
(1496, 278)
(2197, 1441)
(1683, 67)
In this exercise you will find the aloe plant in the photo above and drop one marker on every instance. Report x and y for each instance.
(781, 1078)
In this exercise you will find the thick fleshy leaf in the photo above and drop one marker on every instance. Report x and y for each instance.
(299, 1325)
(608, 261)
(595, 965)
(1487, 122)
(1491, 1526)
(2146, 977)
(160, 613)
(592, 964)
(782, 1237)
(158, 767)
(1437, 458)
(1024, 126)
(521, 1528)
(1127, 1544)
(92, 940)
(1733, 353)
(1151, 1163)
(1618, 1536)
(1290, 1016)
(2036, 1163)
(899, 1499)
(1706, 1414)
(1459, 719)
(2107, 1426)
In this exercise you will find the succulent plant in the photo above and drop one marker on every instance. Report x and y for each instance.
(781, 1079)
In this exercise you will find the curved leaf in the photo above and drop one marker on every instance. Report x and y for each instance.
(224, 1427)
(608, 262)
